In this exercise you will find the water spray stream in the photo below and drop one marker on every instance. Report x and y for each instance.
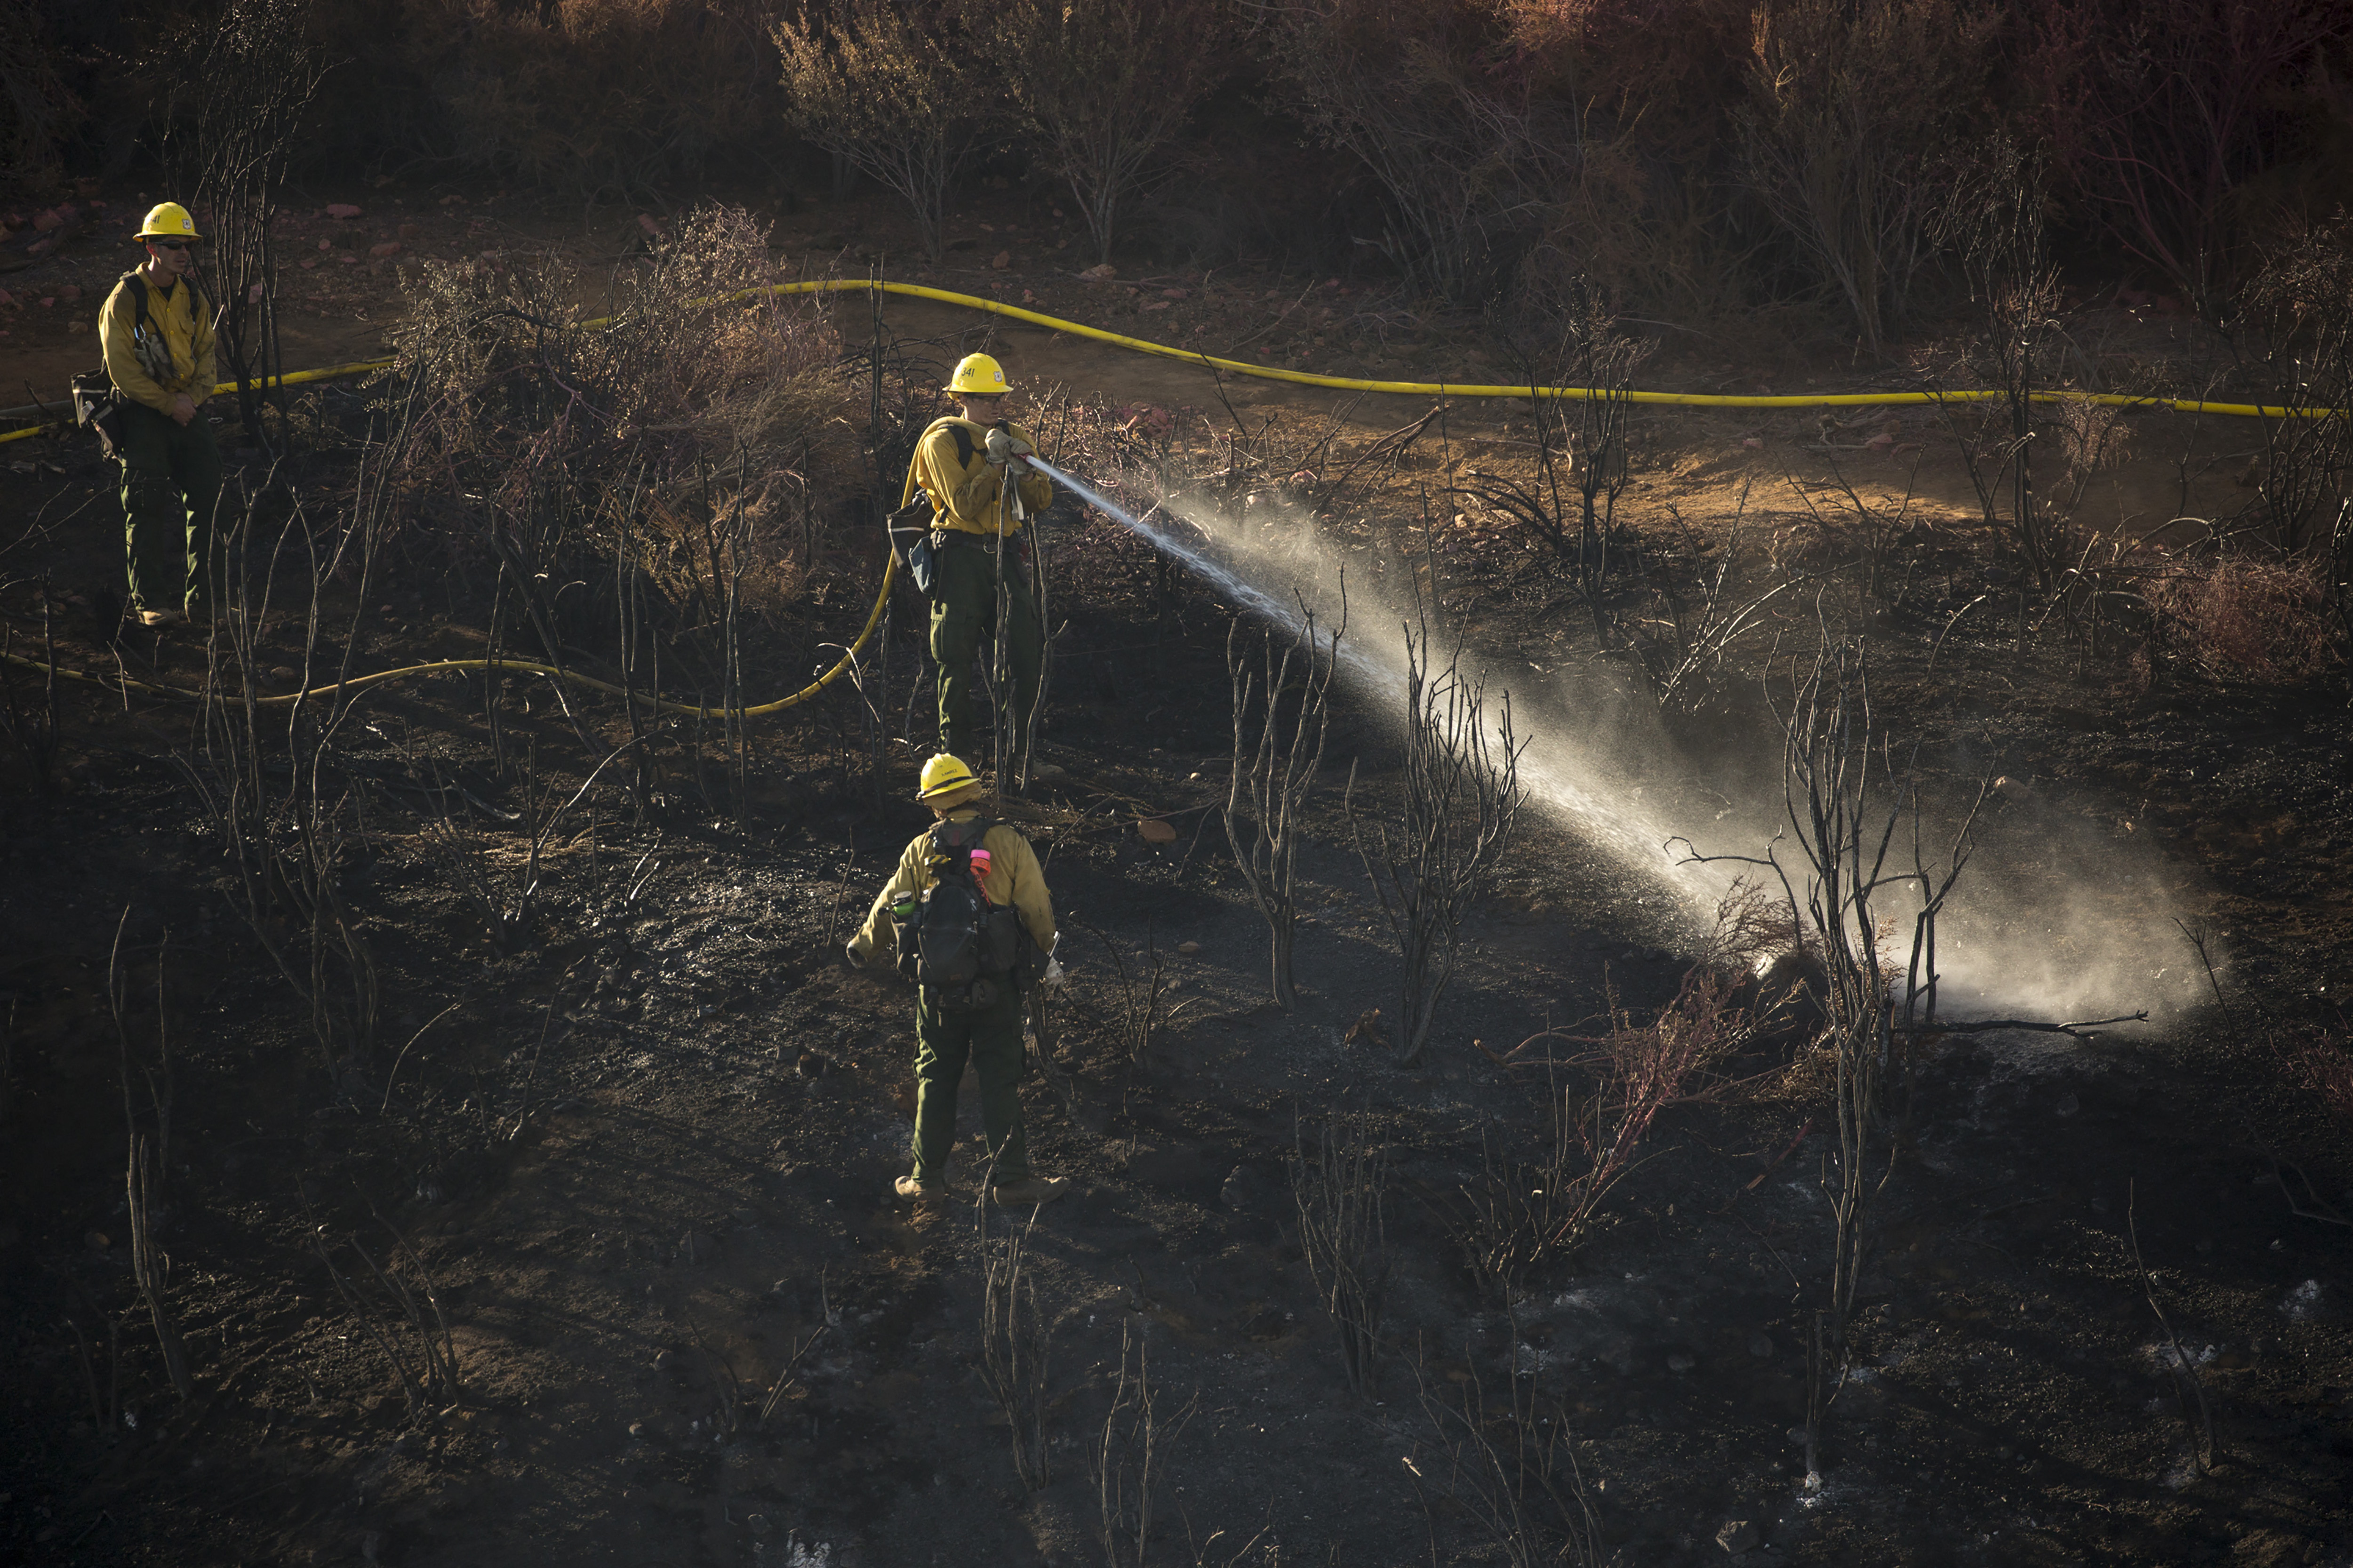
(2050, 919)
(1558, 782)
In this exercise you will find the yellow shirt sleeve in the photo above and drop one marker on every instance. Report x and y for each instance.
(880, 933)
(1016, 878)
(116, 324)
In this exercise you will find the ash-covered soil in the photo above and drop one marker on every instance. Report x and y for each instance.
(643, 1158)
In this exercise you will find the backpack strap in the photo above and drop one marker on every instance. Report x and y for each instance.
(956, 429)
(138, 295)
(955, 841)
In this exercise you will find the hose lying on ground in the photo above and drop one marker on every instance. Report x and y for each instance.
(1405, 388)
(1140, 345)
(520, 666)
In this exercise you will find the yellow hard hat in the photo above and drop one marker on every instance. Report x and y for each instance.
(169, 221)
(979, 376)
(944, 775)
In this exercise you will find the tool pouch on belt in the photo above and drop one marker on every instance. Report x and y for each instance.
(98, 407)
(911, 538)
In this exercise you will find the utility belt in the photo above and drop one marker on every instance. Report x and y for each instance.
(919, 547)
(98, 406)
(1017, 544)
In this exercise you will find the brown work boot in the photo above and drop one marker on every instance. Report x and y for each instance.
(914, 1192)
(1029, 1191)
(160, 617)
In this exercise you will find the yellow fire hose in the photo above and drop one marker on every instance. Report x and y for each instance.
(1140, 345)
(524, 666)
(1406, 388)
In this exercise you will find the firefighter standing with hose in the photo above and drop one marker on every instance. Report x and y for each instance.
(966, 892)
(979, 567)
(157, 332)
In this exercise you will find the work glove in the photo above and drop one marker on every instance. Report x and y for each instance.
(1055, 977)
(1005, 447)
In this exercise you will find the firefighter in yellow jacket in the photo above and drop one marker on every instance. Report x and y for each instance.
(961, 464)
(951, 1030)
(156, 331)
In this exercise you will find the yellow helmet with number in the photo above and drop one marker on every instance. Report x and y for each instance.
(979, 376)
(945, 775)
(169, 220)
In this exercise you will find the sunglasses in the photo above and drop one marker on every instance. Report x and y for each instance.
(169, 244)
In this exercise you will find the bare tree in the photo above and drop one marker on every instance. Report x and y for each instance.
(288, 847)
(2000, 229)
(1684, 655)
(149, 1154)
(1459, 803)
(2167, 118)
(1131, 1455)
(240, 96)
(1341, 1188)
(1571, 502)
(1101, 87)
(1470, 159)
(424, 1360)
(36, 106)
(896, 91)
(1014, 1338)
(1845, 799)
(1852, 109)
(2301, 303)
(1273, 774)
(33, 728)
(1135, 1002)
(1512, 1472)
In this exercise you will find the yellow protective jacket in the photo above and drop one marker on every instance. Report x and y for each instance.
(175, 331)
(1014, 878)
(966, 490)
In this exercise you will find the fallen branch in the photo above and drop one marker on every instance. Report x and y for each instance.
(1774, 1163)
(2186, 1382)
(784, 1378)
(2027, 1026)
(2322, 1210)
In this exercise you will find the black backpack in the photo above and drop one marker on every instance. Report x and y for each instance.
(953, 942)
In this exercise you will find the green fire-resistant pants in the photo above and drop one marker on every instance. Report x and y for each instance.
(964, 627)
(170, 487)
(990, 1039)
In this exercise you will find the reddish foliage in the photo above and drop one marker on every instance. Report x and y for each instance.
(1640, 1070)
(2257, 620)
(2319, 1061)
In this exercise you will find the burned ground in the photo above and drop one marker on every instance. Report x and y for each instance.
(642, 1154)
